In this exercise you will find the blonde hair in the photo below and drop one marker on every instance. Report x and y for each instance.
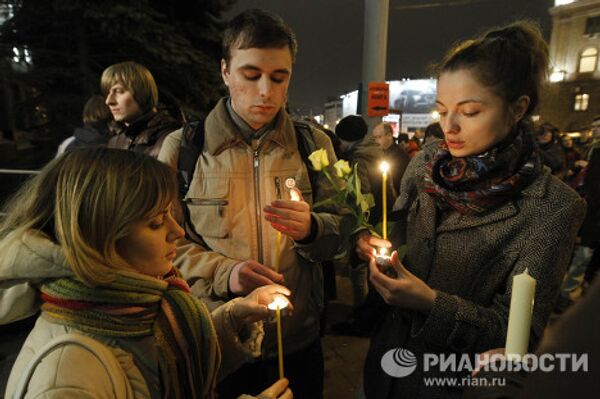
(136, 78)
(86, 201)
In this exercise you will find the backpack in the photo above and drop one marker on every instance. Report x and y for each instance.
(120, 384)
(192, 144)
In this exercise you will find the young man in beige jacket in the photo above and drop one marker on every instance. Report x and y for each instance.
(238, 201)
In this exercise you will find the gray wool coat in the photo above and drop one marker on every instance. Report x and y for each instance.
(470, 262)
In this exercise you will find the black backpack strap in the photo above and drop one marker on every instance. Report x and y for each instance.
(192, 143)
(306, 146)
(190, 148)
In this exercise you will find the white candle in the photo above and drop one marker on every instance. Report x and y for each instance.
(519, 318)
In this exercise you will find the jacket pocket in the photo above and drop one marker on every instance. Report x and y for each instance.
(208, 208)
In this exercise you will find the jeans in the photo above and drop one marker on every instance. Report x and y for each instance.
(574, 279)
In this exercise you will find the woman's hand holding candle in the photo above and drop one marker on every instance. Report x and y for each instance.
(367, 246)
(254, 306)
(406, 290)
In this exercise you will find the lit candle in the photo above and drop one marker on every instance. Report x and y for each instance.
(294, 195)
(383, 259)
(278, 304)
(519, 318)
(384, 167)
(289, 183)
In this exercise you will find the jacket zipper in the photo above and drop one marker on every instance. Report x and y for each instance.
(257, 202)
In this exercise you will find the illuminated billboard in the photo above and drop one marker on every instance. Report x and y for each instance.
(412, 96)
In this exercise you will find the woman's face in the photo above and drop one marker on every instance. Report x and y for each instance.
(474, 119)
(150, 246)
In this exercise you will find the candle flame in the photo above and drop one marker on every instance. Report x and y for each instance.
(294, 195)
(384, 167)
(382, 251)
(279, 302)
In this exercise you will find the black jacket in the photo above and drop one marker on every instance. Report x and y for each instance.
(146, 134)
(94, 134)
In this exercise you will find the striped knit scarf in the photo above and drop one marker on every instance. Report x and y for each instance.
(474, 184)
(134, 305)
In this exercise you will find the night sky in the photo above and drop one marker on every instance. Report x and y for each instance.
(330, 34)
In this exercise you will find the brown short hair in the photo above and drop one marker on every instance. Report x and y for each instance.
(256, 28)
(95, 109)
(136, 78)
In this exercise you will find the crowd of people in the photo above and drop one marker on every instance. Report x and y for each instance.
(145, 277)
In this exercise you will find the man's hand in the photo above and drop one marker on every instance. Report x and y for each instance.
(279, 390)
(366, 243)
(406, 291)
(292, 218)
(253, 307)
(248, 275)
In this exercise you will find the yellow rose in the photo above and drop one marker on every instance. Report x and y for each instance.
(319, 159)
(342, 168)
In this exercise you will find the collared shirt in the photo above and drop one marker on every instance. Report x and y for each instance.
(248, 134)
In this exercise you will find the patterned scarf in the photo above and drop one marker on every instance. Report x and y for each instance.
(134, 305)
(474, 184)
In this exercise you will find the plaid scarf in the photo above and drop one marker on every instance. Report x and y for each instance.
(134, 305)
(474, 184)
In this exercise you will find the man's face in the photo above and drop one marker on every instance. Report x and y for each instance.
(122, 105)
(258, 80)
(379, 135)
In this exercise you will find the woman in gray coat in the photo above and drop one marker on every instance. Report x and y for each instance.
(476, 209)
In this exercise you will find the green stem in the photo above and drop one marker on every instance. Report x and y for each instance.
(333, 183)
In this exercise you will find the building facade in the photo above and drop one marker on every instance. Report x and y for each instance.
(572, 96)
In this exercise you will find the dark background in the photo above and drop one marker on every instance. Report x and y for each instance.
(330, 34)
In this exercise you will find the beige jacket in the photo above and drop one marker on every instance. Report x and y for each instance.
(232, 183)
(71, 371)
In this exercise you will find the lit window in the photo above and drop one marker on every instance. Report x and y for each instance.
(16, 55)
(27, 55)
(588, 60)
(582, 101)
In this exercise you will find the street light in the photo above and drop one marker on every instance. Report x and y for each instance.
(557, 76)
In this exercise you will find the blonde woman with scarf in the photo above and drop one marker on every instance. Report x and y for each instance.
(90, 241)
